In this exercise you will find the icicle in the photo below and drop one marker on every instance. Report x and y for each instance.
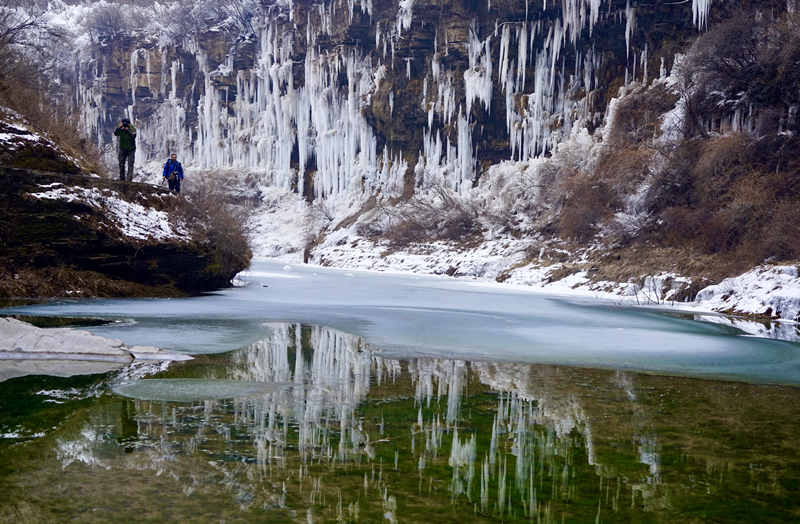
(404, 15)
(644, 65)
(700, 10)
(478, 77)
(522, 53)
(630, 26)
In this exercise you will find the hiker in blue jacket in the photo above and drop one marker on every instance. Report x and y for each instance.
(173, 172)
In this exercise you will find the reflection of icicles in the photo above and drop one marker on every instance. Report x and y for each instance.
(485, 486)
(623, 380)
(648, 455)
(501, 489)
(493, 443)
(81, 449)
(328, 387)
(462, 460)
(449, 378)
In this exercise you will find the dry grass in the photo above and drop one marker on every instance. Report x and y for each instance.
(733, 197)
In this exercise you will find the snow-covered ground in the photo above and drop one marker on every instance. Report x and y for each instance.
(132, 219)
(17, 134)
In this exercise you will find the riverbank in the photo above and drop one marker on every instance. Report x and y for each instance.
(284, 228)
(764, 301)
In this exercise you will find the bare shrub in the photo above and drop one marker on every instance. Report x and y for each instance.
(680, 224)
(25, 84)
(215, 223)
(626, 226)
(624, 167)
(733, 197)
(240, 13)
(779, 238)
(181, 20)
(724, 230)
(747, 66)
(107, 22)
(720, 163)
(587, 201)
(444, 217)
(637, 118)
(673, 184)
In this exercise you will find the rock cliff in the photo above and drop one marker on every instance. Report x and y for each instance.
(78, 235)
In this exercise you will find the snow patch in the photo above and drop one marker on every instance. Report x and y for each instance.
(132, 219)
(765, 290)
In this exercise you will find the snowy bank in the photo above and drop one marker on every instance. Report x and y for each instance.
(770, 292)
(132, 219)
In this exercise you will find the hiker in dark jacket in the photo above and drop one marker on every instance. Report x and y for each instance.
(173, 172)
(127, 147)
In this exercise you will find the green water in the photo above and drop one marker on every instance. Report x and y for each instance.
(309, 424)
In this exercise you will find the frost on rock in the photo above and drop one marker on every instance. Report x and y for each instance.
(131, 219)
(765, 290)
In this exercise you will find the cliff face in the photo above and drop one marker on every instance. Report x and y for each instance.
(346, 96)
(373, 96)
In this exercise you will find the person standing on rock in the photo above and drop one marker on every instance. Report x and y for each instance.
(173, 172)
(127, 147)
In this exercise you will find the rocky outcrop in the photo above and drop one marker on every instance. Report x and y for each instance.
(80, 235)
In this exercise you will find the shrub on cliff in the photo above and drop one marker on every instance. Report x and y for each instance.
(217, 224)
(733, 196)
(742, 74)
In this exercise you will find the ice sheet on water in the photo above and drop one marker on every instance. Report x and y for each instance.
(188, 390)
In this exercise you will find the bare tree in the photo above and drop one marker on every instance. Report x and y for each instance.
(106, 22)
(240, 13)
(15, 27)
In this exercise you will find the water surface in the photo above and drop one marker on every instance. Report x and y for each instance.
(311, 424)
(420, 315)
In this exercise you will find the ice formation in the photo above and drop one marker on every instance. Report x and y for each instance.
(311, 136)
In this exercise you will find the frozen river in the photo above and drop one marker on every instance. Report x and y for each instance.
(408, 316)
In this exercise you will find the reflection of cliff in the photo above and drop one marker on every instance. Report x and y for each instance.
(350, 435)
